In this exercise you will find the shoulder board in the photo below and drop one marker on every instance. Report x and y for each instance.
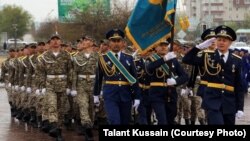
(136, 60)
(237, 56)
(151, 58)
(209, 51)
(74, 53)
(40, 55)
(127, 54)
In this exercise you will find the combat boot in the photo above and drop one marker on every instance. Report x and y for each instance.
(192, 122)
(202, 122)
(26, 116)
(59, 135)
(89, 134)
(67, 122)
(187, 121)
(53, 130)
(46, 126)
(20, 114)
(32, 116)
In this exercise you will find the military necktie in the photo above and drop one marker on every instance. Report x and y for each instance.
(116, 55)
(222, 62)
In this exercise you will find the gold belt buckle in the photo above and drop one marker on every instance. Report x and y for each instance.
(224, 86)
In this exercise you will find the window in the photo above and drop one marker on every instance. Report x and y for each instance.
(247, 2)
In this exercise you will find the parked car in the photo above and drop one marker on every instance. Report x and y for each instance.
(11, 42)
(240, 45)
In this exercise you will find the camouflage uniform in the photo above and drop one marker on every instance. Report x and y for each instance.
(55, 70)
(183, 102)
(4, 77)
(83, 75)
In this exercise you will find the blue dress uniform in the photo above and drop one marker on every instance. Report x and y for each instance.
(145, 108)
(224, 95)
(163, 98)
(199, 70)
(117, 91)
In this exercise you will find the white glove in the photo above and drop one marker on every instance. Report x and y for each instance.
(22, 88)
(16, 87)
(169, 56)
(43, 91)
(73, 93)
(96, 100)
(239, 114)
(68, 91)
(191, 93)
(135, 53)
(171, 81)
(248, 90)
(37, 92)
(136, 104)
(206, 44)
(9, 85)
(183, 92)
(28, 90)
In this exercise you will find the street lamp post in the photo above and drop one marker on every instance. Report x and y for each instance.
(15, 34)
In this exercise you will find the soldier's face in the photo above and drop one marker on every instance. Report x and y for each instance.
(104, 48)
(161, 49)
(116, 45)
(223, 44)
(55, 43)
(87, 43)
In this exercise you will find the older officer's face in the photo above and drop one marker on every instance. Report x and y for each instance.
(223, 44)
(116, 44)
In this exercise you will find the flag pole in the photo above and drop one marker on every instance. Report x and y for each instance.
(172, 30)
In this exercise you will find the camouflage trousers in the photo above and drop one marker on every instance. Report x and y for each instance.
(40, 102)
(84, 101)
(196, 110)
(183, 108)
(56, 103)
(9, 94)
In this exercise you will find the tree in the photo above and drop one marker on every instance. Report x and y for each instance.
(14, 15)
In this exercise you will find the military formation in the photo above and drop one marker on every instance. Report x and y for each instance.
(53, 85)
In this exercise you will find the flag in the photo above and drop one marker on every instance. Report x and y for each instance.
(150, 23)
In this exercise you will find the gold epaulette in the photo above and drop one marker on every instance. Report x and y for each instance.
(40, 55)
(235, 55)
(136, 60)
(209, 51)
(151, 58)
(74, 53)
(24, 57)
(127, 54)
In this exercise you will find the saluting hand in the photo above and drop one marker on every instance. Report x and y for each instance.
(206, 44)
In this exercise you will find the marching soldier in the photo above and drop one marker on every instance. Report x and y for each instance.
(197, 98)
(84, 65)
(54, 69)
(5, 73)
(119, 73)
(144, 109)
(223, 97)
(165, 74)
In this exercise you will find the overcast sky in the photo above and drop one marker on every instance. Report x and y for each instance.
(41, 10)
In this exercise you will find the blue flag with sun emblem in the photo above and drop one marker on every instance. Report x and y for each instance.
(150, 23)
